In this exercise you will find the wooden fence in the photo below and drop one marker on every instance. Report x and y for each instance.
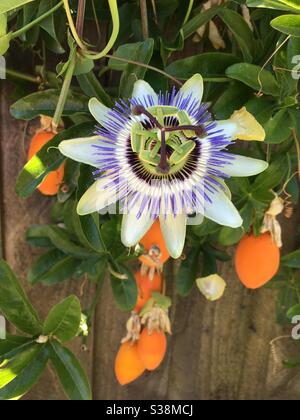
(217, 351)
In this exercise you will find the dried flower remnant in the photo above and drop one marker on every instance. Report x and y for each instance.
(133, 327)
(270, 222)
(213, 31)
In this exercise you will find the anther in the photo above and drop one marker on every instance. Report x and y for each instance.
(140, 110)
(198, 129)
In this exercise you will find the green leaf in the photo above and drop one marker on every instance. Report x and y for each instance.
(139, 51)
(187, 272)
(91, 87)
(4, 36)
(64, 319)
(284, 60)
(111, 234)
(261, 108)
(43, 264)
(234, 97)
(47, 159)
(14, 303)
(4, 43)
(70, 180)
(52, 267)
(3, 24)
(241, 31)
(229, 236)
(255, 77)
(287, 298)
(34, 236)
(71, 375)
(272, 177)
(208, 227)
(48, 26)
(288, 5)
(291, 260)
(83, 65)
(13, 345)
(200, 19)
(44, 103)
(293, 311)
(28, 376)
(288, 24)
(8, 5)
(125, 291)
(12, 367)
(61, 239)
(209, 65)
(291, 364)
(209, 263)
(278, 128)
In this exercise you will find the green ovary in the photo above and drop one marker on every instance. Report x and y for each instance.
(147, 143)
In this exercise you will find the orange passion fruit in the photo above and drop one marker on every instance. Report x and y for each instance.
(257, 260)
(128, 365)
(156, 252)
(152, 348)
(50, 185)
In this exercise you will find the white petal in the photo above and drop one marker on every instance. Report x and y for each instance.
(195, 220)
(212, 287)
(174, 229)
(81, 150)
(192, 87)
(99, 111)
(222, 211)
(142, 90)
(99, 196)
(244, 166)
(133, 228)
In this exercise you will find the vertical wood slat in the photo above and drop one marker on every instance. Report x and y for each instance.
(217, 351)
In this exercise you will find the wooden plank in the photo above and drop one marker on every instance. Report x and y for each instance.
(17, 215)
(218, 351)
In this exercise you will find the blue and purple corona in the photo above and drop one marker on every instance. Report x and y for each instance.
(163, 156)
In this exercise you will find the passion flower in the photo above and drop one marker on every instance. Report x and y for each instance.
(162, 156)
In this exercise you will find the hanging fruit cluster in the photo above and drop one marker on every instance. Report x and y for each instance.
(145, 344)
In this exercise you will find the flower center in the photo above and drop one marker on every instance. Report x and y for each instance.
(165, 141)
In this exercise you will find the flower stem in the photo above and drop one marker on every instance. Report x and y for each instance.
(113, 6)
(72, 25)
(30, 25)
(144, 19)
(80, 17)
(64, 92)
(22, 76)
(91, 310)
(189, 11)
(297, 145)
(147, 66)
(154, 11)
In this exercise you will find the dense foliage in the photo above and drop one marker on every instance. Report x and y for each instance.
(252, 61)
